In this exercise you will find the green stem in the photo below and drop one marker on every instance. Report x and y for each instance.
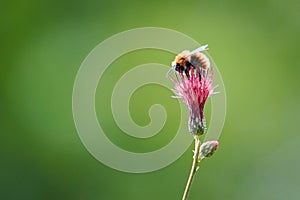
(193, 169)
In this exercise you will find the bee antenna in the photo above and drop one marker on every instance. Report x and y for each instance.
(169, 71)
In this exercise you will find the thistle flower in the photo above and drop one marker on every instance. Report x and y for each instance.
(194, 86)
(194, 89)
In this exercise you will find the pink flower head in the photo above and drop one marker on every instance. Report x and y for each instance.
(194, 89)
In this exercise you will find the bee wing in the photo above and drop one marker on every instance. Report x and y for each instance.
(202, 48)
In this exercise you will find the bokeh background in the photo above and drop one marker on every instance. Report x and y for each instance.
(256, 46)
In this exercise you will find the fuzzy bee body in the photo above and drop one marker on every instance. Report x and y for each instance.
(200, 60)
(186, 60)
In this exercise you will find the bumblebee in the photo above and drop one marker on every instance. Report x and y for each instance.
(195, 59)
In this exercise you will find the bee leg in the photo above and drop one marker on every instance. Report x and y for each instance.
(199, 72)
(186, 71)
(188, 68)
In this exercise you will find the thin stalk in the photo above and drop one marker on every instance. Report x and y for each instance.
(193, 169)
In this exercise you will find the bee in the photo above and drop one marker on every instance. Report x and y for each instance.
(195, 59)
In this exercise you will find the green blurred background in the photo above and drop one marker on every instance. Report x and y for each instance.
(255, 45)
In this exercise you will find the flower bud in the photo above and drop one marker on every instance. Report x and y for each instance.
(207, 149)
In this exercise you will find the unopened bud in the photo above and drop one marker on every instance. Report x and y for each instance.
(207, 149)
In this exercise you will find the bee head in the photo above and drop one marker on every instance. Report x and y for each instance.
(177, 67)
(180, 63)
